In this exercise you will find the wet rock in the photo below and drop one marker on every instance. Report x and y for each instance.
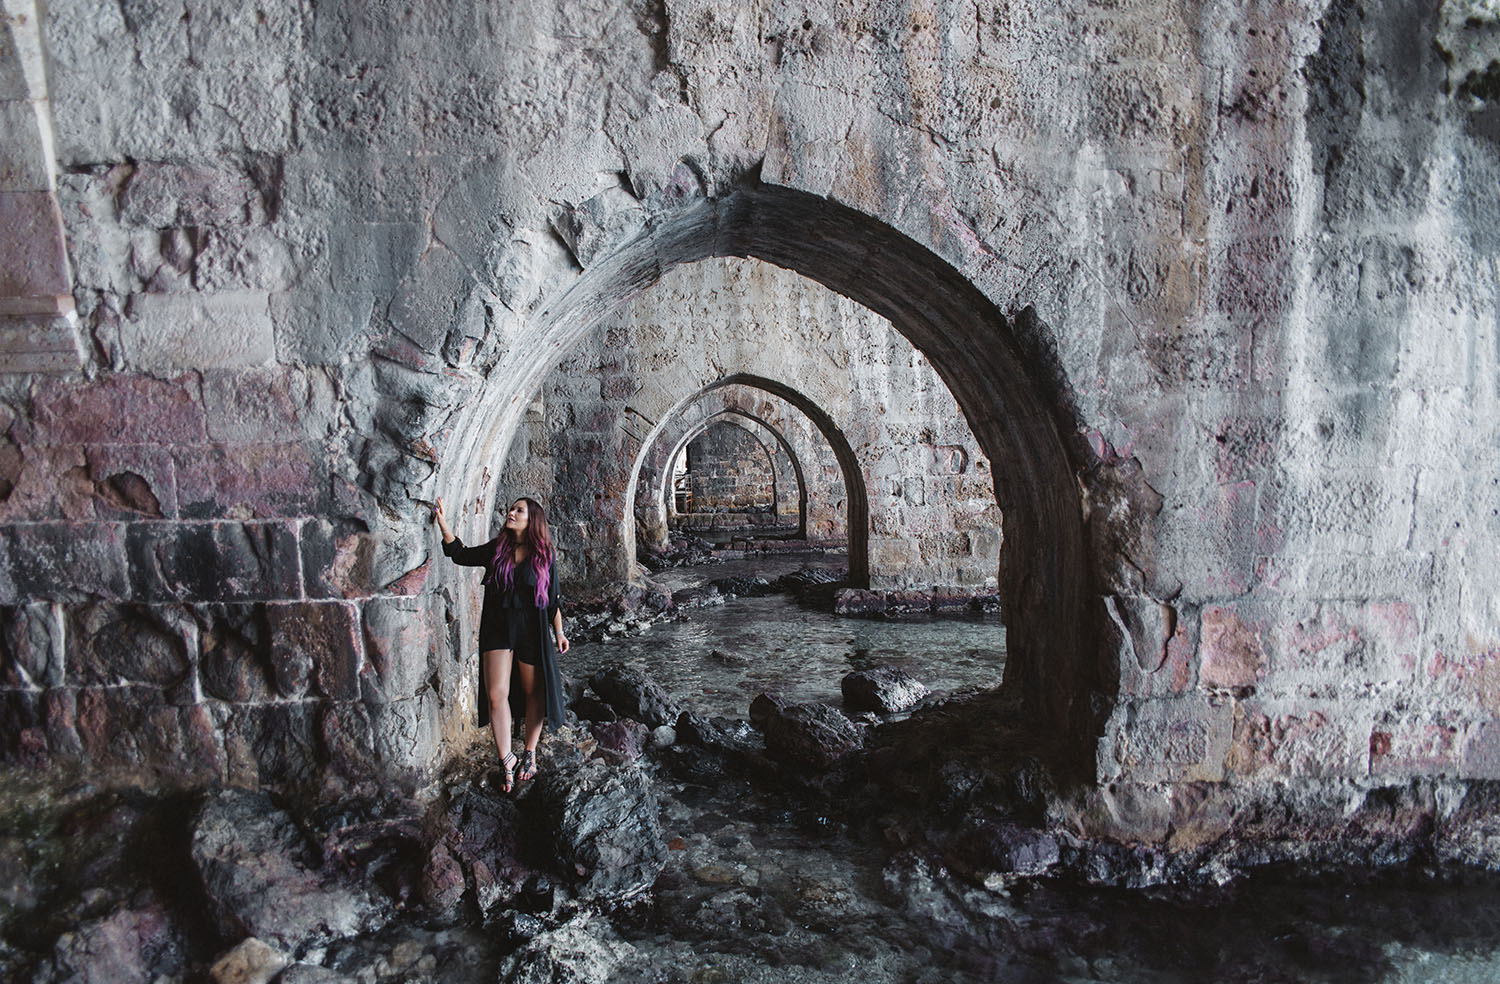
(764, 707)
(663, 737)
(515, 928)
(1004, 848)
(813, 736)
(606, 830)
(624, 738)
(261, 880)
(442, 885)
(577, 952)
(301, 973)
(744, 587)
(378, 849)
(252, 962)
(485, 844)
(697, 596)
(703, 766)
(721, 734)
(635, 696)
(130, 944)
(729, 659)
(883, 688)
(593, 709)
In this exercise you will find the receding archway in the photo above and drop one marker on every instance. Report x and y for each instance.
(788, 500)
(1053, 665)
(854, 482)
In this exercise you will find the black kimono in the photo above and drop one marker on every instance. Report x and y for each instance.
(512, 620)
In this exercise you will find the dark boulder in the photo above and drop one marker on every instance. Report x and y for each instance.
(634, 696)
(812, 736)
(263, 879)
(605, 826)
(624, 738)
(883, 688)
(485, 842)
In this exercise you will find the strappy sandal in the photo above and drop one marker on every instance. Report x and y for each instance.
(528, 765)
(509, 763)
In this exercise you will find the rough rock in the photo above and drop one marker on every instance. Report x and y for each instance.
(625, 738)
(487, 846)
(251, 962)
(764, 707)
(606, 830)
(126, 945)
(579, 952)
(883, 688)
(634, 696)
(262, 878)
(811, 736)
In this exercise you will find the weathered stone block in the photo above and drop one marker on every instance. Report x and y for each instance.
(337, 559)
(23, 739)
(33, 258)
(1345, 647)
(23, 162)
(374, 256)
(132, 481)
(1401, 747)
(317, 643)
(319, 327)
(1479, 752)
(275, 745)
(129, 730)
(1174, 739)
(402, 636)
(162, 195)
(117, 644)
(141, 409)
(268, 405)
(214, 561)
(1230, 652)
(405, 733)
(251, 481)
(349, 741)
(234, 652)
(166, 332)
(31, 646)
(62, 561)
(1298, 740)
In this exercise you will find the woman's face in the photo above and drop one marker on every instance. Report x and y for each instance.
(517, 519)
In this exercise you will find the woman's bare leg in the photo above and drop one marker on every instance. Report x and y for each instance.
(533, 705)
(497, 692)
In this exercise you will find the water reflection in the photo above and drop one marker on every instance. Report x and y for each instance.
(719, 659)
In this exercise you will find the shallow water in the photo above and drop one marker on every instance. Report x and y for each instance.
(717, 659)
(758, 887)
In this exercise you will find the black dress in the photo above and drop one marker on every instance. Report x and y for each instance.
(511, 619)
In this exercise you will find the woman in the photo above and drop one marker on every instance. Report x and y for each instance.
(520, 599)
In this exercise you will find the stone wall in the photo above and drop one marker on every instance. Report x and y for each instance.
(928, 516)
(730, 470)
(1212, 284)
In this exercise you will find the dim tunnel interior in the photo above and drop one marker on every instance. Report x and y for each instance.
(1007, 393)
(652, 465)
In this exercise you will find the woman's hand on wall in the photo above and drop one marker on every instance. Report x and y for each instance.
(440, 515)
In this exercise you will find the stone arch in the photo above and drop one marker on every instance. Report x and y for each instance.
(855, 492)
(1053, 664)
(788, 487)
(822, 518)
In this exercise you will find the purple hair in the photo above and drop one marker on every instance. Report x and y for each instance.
(539, 542)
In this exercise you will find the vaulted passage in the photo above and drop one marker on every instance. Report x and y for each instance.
(973, 349)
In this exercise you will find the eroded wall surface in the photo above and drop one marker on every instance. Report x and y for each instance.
(324, 257)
